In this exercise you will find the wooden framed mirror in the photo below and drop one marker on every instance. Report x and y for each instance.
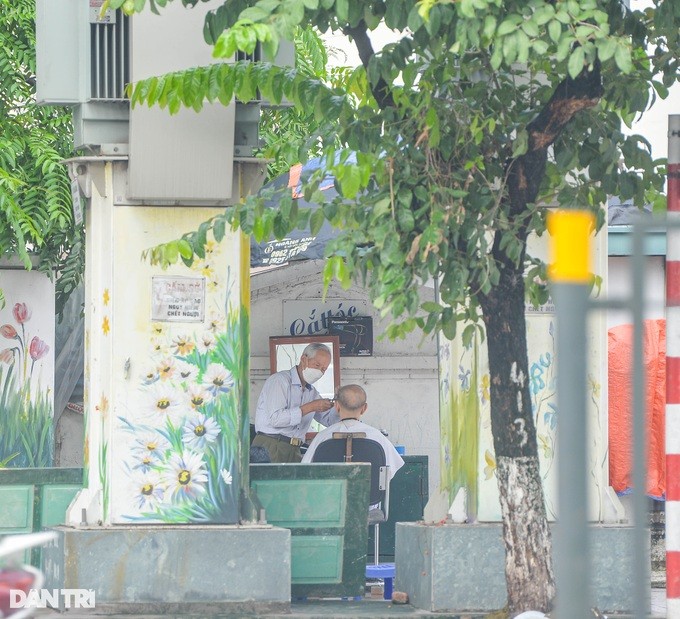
(285, 352)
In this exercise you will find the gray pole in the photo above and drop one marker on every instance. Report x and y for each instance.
(571, 533)
(641, 530)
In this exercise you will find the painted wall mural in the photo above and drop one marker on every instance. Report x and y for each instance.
(468, 460)
(169, 424)
(26, 369)
(181, 461)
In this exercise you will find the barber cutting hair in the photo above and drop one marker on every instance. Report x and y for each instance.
(288, 403)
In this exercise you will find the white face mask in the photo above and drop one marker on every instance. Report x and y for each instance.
(311, 375)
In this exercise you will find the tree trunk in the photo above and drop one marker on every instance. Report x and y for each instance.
(528, 564)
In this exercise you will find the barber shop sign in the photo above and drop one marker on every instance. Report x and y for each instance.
(310, 316)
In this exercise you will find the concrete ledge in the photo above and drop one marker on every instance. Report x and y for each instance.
(460, 567)
(174, 569)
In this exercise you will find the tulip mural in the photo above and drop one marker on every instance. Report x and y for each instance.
(25, 398)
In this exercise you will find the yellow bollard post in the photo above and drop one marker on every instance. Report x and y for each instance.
(571, 246)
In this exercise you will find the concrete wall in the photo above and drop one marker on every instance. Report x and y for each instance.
(400, 378)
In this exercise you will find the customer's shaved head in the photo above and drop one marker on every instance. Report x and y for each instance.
(352, 397)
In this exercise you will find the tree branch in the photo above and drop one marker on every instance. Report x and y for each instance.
(359, 33)
(526, 171)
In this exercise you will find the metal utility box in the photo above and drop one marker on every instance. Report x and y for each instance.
(83, 60)
(86, 59)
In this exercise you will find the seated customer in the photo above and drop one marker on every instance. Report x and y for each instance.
(351, 405)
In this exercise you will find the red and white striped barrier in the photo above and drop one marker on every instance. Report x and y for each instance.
(673, 373)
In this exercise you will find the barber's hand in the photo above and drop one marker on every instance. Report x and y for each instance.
(316, 406)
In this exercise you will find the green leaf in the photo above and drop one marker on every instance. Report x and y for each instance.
(171, 252)
(218, 229)
(661, 90)
(507, 26)
(530, 28)
(350, 182)
(468, 334)
(431, 307)
(544, 14)
(342, 10)
(316, 221)
(489, 26)
(520, 144)
(622, 58)
(448, 323)
(225, 46)
(555, 30)
(576, 61)
(184, 249)
(605, 48)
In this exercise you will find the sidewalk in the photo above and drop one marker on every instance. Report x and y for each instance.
(337, 609)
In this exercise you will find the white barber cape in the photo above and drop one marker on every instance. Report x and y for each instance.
(392, 458)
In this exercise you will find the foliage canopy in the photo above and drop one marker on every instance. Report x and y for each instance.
(35, 193)
(439, 119)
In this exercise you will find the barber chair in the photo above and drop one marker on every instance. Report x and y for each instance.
(355, 447)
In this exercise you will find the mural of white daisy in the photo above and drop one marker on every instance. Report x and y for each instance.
(185, 476)
(216, 323)
(143, 462)
(185, 372)
(149, 376)
(147, 490)
(226, 477)
(150, 443)
(217, 379)
(159, 347)
(199, 431)
(162, 401)
(206, 342)
(197, 395)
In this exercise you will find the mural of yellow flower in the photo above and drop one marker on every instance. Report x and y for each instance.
(486, 383)
(490, 468)
(103, 406)
(106, 296)
(594, 385)
(106, 327)
(158, 347)
(545, 445)
(183, 345)
(166, 368)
